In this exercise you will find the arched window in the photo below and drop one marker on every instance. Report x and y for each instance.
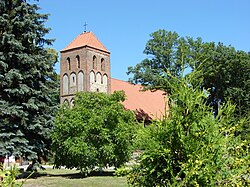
(72, 79)
(105, 83)
(68, 62)
(66, 102)
(65, 84)
(72, 83)
(99, 78)
(72, 103)
(94, 62)
(92, 80)
(102, 64)
(78, 62)
(92, 77)
(80, 81)
(105, 80)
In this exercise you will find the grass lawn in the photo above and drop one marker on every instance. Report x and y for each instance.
(70, 178)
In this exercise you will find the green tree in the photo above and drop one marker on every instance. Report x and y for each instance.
(167, 57)
(224, 71)
(27, 80)
(192, 148)
(97, 131)
(226, 74)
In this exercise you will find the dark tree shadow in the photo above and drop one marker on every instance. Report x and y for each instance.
(78, 175)
(91, 174)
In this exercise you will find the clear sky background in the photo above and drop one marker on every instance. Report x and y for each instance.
(124, 26)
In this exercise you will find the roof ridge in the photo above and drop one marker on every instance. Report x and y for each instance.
(88, 38)
(131, 84)
(99, 41)
(119, 79)
(71, 42)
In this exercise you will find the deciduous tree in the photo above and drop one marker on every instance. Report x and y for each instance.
(167, 57)
(224, 71)
(96, 132)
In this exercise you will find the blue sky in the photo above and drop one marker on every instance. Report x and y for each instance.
(124, 26)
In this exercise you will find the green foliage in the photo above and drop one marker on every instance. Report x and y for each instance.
(97, 131)
(167, 58)
(224, 71)
(27, 81)
(122, 171)
(8, 177)
(192, 147)
(244, 128)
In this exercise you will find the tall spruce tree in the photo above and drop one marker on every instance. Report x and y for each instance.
(27, 79)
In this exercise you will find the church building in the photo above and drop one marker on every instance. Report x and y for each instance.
(85, 67)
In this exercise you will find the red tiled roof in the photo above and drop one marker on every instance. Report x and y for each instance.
(152, 103)
(86, 39)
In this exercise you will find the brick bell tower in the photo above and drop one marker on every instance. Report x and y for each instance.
(84, 67)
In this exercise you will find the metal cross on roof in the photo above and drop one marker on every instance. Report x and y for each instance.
(85, 27)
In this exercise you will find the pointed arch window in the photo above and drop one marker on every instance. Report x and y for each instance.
(66, 102)
(94, 62)
(65, 84)
(92, 77)
(105, 80)
(99, 78)
(105, 83)
(80, 81)
(72, 103)
(78, 62)
(102, 64)
(72, 83)
(68, 63)
(72, 79)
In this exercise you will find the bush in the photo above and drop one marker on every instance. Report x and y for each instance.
(192, 147)
(123, 171)
(8, 177)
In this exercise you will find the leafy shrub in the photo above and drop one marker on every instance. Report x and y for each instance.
(192, 147)
(8, 177)
(122, 171)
